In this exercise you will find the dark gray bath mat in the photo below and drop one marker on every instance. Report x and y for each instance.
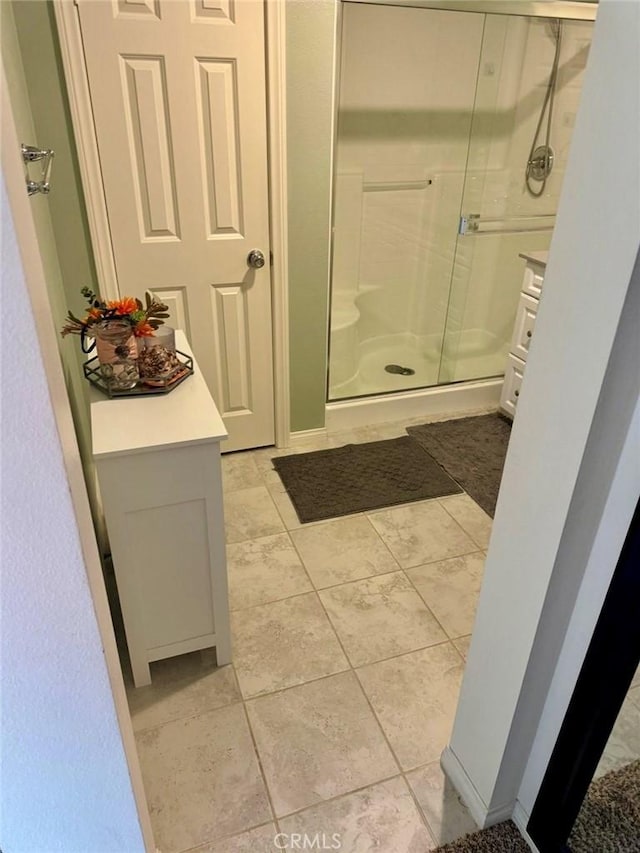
(360, 477)
(472, 451)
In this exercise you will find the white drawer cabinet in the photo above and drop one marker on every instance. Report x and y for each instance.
(158, 465)
(523, 330)
(533, 278)
(512, 381)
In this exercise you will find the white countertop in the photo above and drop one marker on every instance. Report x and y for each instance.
(185, 416)
(535, 257)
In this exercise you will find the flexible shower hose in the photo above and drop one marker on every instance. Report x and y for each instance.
(548, 101)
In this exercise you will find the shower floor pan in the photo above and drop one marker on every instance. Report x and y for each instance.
(480, 356)
(405, 350)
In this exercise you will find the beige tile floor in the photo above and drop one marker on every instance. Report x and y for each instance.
(349, 642)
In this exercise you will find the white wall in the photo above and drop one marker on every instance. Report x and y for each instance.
(537, 535)
(65, 781)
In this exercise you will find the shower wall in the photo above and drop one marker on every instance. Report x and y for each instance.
(437, 108)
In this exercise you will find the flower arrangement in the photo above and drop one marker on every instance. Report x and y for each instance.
(143, 319)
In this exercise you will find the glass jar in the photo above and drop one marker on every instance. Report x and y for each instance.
(164, 336)
(117, 351)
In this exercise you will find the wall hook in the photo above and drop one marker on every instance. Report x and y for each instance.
(31, 154)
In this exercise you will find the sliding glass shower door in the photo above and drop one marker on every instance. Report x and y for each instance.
(528, 89)
(435, 114)
(407, 89)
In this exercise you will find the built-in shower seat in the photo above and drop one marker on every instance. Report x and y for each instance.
(344, 337)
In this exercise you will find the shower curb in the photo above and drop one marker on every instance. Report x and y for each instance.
(455, 400)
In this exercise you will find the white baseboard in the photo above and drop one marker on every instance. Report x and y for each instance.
(305, 435)
(445, 399)
(521, 818)
(457, 775)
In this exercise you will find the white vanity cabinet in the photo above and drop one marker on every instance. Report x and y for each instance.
(158, 466)
(536, 263)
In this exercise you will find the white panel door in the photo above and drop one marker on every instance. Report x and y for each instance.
(178, 94)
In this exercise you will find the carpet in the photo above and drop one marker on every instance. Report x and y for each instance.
(608, 822)
(471, 450)
(361, 477)
(501, 838)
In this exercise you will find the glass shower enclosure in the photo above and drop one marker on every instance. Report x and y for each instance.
(453, 131)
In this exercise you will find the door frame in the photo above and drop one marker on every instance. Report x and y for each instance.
(612, 659)
(77, 80)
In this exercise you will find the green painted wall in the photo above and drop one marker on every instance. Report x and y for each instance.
(310, 46)
(44, 76)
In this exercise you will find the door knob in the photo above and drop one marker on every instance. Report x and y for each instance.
(255, 259)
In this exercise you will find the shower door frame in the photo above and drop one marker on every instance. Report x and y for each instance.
(576, 10)
(581, 10)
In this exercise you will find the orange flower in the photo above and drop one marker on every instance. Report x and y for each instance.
(94, 313)
(123, 306)
(143, 330)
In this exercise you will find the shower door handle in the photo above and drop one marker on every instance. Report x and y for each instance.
(473, 223)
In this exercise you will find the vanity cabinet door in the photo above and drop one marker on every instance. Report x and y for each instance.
(512, 381)
(523, 329)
